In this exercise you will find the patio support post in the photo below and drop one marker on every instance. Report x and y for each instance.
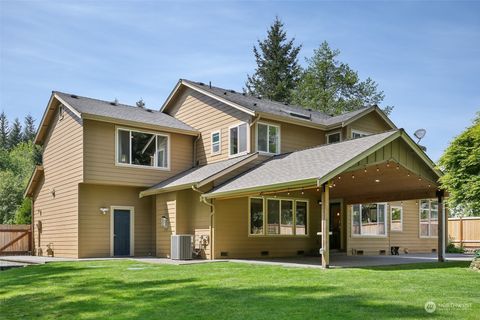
(325, 225)
(441, 229)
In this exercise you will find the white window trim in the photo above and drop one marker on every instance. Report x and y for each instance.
(119, 164)
(368, 235)
(359, 132)
(265, 235)
(401, 218)
(279, 142)
(429, 220)
(219, 143)
(331, 134)
(247, 151)
(132, 228)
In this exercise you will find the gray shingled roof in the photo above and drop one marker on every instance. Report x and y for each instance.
(313, 163)
(195, 175)
(277, 108)
(102, 108)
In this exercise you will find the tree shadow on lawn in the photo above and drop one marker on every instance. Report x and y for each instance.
(190, 298)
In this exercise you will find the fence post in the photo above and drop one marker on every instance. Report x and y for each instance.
(461, 231)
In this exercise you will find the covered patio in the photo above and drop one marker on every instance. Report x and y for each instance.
(388, 167)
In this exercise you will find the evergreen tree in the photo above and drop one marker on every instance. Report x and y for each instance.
(4, 130)
(332, 87)
(29, 129)
(15, 135)
(277, 69)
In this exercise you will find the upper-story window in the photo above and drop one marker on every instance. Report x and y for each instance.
(141, 148)
(238, 139)
(268, 138)
(334, 137)
(216, 142)
(359, 134)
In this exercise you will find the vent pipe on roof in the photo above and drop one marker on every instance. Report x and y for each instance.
(114, 102)
(140, 103)
(210, 84)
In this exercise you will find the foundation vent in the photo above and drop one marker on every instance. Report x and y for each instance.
(264, 253)
(382, 252)
(223, 254)
(300, 253)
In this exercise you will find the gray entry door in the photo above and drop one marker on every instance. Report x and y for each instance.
(121, 232)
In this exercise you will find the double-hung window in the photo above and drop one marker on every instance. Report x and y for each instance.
(216, 144)
(428, 218)
(278, 217)
(268, 138)
(140, 148)
(238, 139)
(396, 218)
(369, 219)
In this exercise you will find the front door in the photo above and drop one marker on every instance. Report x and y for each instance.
(121, 232)
(335, 225)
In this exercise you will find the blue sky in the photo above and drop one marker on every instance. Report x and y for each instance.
(425, 55)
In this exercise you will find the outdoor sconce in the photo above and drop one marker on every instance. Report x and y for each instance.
(103, 210)
(164, 222)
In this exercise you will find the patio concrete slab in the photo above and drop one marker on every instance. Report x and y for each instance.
(344, 261)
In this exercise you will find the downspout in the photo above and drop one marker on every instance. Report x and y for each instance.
(195, 150)
(212, 218)
(255, 120)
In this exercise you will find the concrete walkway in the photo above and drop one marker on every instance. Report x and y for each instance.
(336, 261)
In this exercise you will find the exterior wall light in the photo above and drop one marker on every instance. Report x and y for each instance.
(164, 222)
(103, 210)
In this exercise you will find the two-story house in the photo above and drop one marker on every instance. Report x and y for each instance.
(247, 177)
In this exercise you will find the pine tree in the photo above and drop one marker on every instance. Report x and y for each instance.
(331, 86)
(29, 128)
(277, 69)
(15, 135)
(4, 130)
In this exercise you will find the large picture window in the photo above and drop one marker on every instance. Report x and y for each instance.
(238, 139)
(142, 149)
(268, 138)
(369, 219)
(428, 218)
(281, 216)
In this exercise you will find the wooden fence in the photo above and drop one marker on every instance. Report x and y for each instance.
(464, 232)
(15, 239)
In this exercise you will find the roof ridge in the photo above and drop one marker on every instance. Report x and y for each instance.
(280, 104)
(73, 95)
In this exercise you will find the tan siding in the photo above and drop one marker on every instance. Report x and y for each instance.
(407, 239)
(100, 165)
(207, 115)
(94, 227)
(293, 137)
(187, 215)
(231, 233)
(371, 123)
(63, 171)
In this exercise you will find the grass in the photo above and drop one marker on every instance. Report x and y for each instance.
(125, 289)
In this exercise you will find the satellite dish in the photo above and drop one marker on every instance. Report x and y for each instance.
(420, 133)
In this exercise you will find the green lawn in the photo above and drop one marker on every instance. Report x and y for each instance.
(123, 290)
